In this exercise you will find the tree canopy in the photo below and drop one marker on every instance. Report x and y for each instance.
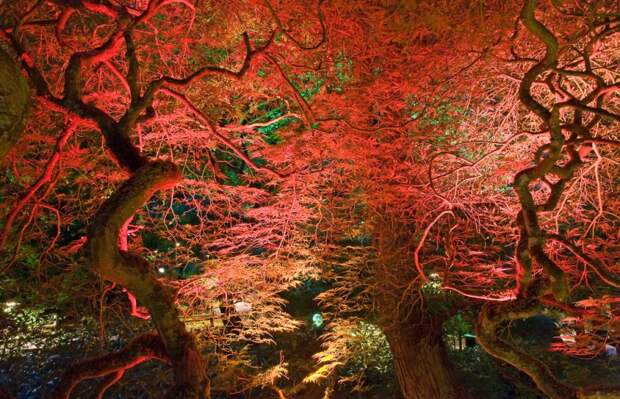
(309, 198)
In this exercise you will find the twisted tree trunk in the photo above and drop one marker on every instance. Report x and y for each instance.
(134, 273)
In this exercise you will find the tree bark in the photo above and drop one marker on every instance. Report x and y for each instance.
(489, 321)
(141, 349)
(135, 273)
(421, 364)
(14, 99)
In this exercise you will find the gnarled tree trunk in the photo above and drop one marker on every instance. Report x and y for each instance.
(173, 342)
(421, 365)
(134, 273)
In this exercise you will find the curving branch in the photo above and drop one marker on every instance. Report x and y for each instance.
(250, 53)
(141, 349)
(491, 319)
(531, 245)
(416, 252)
(285, 31)
(134, 273)
(303, 104)
(555, 164)
(220, 137)
(109, 381)
(600, 269)
(45, 178)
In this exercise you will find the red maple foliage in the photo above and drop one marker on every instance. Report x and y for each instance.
(435, 166)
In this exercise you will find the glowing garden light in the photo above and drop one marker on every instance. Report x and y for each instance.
(317, 320)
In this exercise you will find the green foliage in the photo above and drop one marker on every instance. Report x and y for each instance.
(485, 376)
(189, 270)
(213, 55)
(156, 243)
(505, 189)
(9, 176)
(314, 85)
(344, 67)
(269, 112)
(359, 354)
(443, 117)
(233, 177)
(458, 325)
(343, 70)
(371, 351)
(29, 255)
(433, 285)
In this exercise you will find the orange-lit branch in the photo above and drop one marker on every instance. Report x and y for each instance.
(44, 179)
(141, 349)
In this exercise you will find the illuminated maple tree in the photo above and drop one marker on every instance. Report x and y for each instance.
(179, 119)
(427, 221)
(201, 158)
